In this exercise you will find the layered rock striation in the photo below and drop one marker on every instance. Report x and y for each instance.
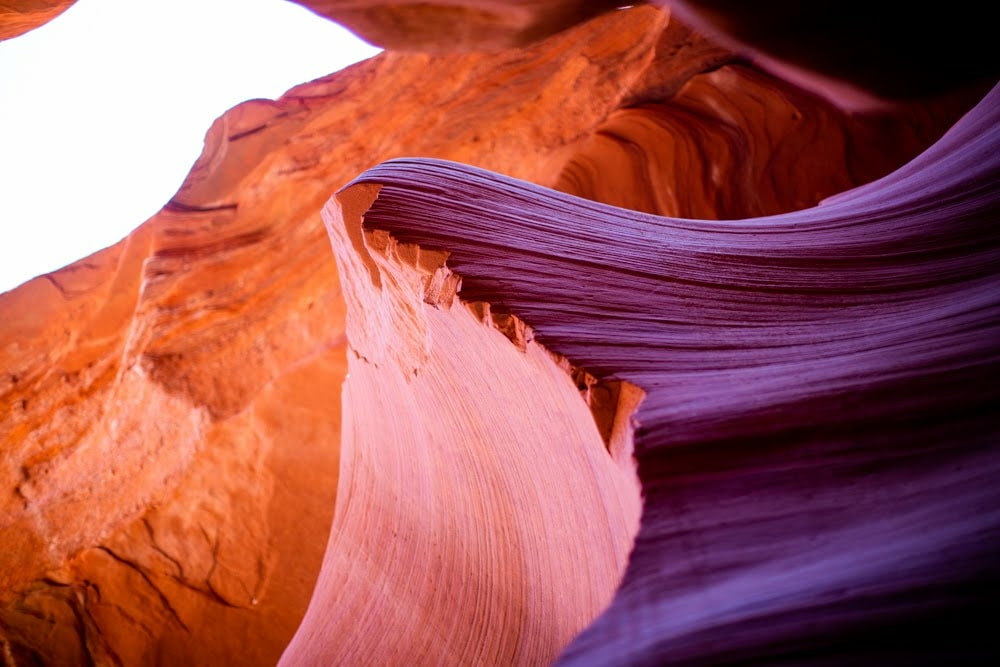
(816, 443)
(463, 522)
(174, 453)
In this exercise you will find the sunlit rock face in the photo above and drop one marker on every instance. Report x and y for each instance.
(174, 453)
(170, 425)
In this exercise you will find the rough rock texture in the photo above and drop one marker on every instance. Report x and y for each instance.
(817, 443)
(162, 425)
(19, 16)
(169, 407)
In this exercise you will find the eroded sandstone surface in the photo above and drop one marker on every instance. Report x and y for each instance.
(170, 407)
(472, 519)
(817, 441)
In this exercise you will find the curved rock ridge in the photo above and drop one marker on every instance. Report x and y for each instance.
(731, 143)
(817, 447)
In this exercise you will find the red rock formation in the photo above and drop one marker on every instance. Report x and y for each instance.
(19, 16)
(170, 406)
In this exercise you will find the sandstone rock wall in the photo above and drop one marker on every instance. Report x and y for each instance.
(169, 407)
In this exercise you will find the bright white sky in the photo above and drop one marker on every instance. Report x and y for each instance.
(104, 109)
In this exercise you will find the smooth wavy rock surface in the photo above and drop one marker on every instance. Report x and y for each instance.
(170, 407)
(817, 444)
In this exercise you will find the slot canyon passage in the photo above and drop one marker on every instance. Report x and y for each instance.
(556, 332)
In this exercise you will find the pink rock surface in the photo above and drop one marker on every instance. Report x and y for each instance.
(474, 481)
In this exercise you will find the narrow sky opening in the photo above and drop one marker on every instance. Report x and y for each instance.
(104, 110)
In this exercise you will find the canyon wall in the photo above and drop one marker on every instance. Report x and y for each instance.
(174, 449)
